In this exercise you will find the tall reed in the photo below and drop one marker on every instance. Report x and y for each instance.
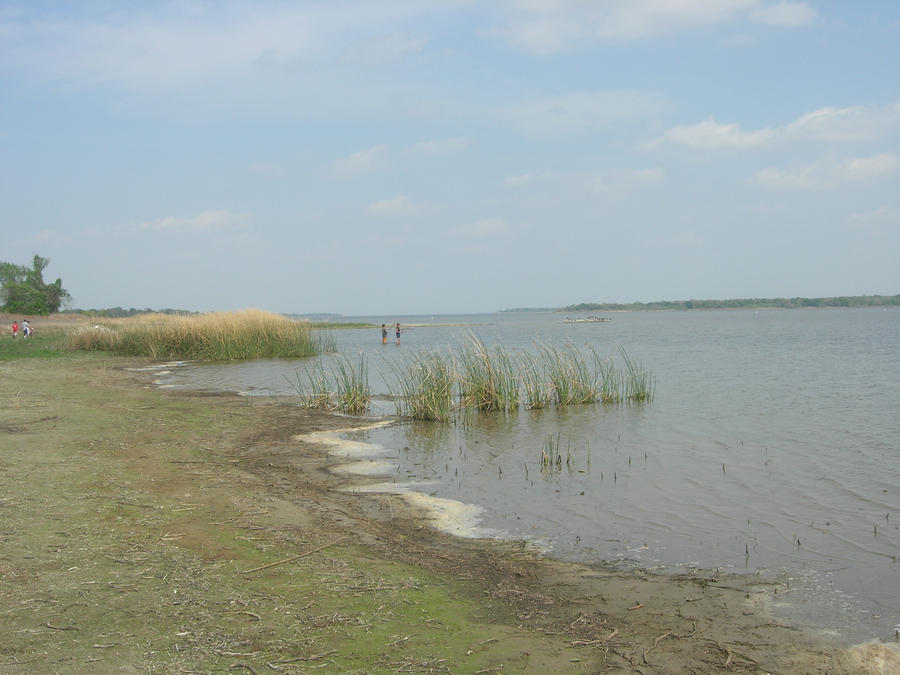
(314, 388)
(610, 379)
(572, 380)
(640, 384)
(487, 378)
(425, 387)
(352, 385)
(538, 393)
(215, 336)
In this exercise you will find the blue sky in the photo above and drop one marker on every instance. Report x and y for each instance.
(399, 156)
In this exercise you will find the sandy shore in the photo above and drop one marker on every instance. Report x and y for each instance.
(162, 532)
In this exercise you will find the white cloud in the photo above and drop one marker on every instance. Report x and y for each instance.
(790, 14)
(360, 162)
(576, 113)
(713, 135)
(480, 229)
(547, 26)
(881, 216)
(832, 125)
(205, 222)
(447, 146)
(153, 47)
(395, 206)
(863, 168)
(855, 123)
(829, 174)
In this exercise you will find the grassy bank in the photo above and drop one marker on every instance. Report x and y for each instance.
(136, 537)
(216, 336)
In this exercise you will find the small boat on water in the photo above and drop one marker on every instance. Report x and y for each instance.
(587, 319)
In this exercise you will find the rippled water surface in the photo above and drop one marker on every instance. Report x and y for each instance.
(772, 445)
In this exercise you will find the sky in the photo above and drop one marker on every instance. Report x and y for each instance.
(378, 157)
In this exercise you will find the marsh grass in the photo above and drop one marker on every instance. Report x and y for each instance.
(352, 385)
(488, 378)
(639, 384)
(216, 336)
(538, 393)
(610, 379)
(314, 388)
(425, 387)
(344, 386)
(572, 380)
(493, 379)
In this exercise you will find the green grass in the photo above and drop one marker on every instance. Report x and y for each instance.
(43, 344)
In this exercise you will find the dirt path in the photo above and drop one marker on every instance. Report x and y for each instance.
(144, 531)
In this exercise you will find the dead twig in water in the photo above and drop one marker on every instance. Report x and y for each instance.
(293, 557)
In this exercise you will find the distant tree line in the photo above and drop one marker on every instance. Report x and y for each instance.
(24, 291)
(743, 303)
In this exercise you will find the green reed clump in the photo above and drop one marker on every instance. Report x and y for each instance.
(425, 387)
(343, 386)
(573, 382)
(640, 384)
(314, 388)
(538, 393)
(610, 379)
(352, 385)
(247, 334)
(488, 378)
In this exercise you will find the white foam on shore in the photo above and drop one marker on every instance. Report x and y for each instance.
(366, 467)
(386, 488)
(446, 515)
(160, 368)
(342, 447)
(450, 516)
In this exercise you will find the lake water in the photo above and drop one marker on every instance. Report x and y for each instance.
(772, 446)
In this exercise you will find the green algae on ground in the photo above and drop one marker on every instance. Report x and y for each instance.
(128, 533)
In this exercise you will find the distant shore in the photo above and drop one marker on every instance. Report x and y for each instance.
(734, 303)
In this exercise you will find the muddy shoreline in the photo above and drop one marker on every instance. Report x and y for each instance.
(204, 488)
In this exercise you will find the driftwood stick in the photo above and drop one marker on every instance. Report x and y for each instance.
(293, 557)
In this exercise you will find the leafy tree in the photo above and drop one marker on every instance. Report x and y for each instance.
(23, 290)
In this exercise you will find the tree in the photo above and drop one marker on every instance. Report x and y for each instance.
(23, 291)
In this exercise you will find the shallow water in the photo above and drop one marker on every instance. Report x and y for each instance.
(772, 445)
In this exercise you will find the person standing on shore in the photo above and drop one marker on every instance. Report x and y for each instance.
(15, 329)
(384, 333)
(398, 333)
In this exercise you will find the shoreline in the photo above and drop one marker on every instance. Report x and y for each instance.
(242, 490)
